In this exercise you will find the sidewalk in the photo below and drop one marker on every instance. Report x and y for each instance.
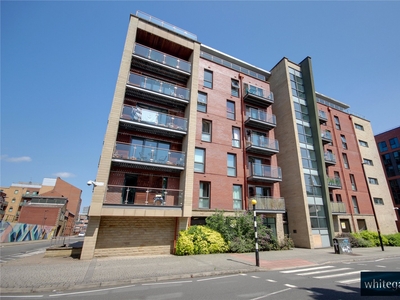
(39, 274)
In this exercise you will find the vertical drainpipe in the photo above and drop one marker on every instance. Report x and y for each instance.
(243, 133)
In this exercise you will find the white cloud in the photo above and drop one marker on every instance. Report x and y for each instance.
(16, 159)
(64, 174)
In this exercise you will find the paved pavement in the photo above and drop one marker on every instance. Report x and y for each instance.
(39, 274)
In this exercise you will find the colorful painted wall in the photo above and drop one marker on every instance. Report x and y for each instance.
(19, 232)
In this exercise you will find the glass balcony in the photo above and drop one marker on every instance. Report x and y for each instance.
(162, 58)
(334, 183)
(257, 96)
(322, 117)
(268, 204)
(143, 196)
(145, 156)
(156, 90)
(261, 145)
(338, 208)
(260, 119)
(326, 137)
(153, 119)
(266, 173)
(166, 25)
(329, 158)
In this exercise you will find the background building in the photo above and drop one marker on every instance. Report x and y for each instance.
(389, 149)
(192, 130)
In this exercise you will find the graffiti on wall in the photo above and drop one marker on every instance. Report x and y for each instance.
(19, 232)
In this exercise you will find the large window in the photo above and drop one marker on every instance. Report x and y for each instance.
(337, 123)
(304, 133)
(301, 112)
(204, 195)
(208, 79)
(317, 216)
(296, 83)
(308, 158)
(394, 143)
(202, 102)
(313, 185)
(149, 150)
(237, 196)
(231, 163)
(236, 137)
(199, 159)
(395, 188)
(234, 88)
(382, 146)
(230, 110)
(206, 131)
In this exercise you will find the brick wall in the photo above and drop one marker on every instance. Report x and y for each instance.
(135, 236)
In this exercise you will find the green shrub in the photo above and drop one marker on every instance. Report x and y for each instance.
(287, 243)
(393, 239)
(373, 237)
(200, 240)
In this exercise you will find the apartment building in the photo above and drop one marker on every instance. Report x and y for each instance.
(192, 130)
(389, 152)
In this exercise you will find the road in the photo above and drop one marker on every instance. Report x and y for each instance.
(11, 251)
(323, 282)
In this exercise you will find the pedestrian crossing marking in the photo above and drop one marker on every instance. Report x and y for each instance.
(271, 280)
(349, 281)
(307, 269)
(323, 271)
(341, 274)
(290, 285)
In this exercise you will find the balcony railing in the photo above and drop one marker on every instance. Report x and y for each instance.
(268, 204)
(143, 196)
(257, 95)
(162, 58)
(147, 154)
(334, 182)
(166, 25)
(326, 137)
(330, 157)
(265, 172)
(262, 145)
(338, 208)
(147, 116)
(322, 116)
(159, 86)
(260, 119)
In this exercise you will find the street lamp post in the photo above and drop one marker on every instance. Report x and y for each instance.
(373, 208)
(254, 202)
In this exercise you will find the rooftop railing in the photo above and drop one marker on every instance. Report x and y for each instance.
(147, 196)
(162, 58)
(159, 86)
(166, 25)
(147, 116)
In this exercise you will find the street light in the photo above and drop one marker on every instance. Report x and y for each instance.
(373, 208)
(254, 202)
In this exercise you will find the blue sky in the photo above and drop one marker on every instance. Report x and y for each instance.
(60, 60)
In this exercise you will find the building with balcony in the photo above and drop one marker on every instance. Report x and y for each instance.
(192, 130)
(332, 173)
(389, 152)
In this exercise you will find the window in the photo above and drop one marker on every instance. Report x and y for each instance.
(13, 200)
(199, 155)
(344, 142)
(236, 137)
(337, 123)
(317, 216)
(338, 198)
(301, 112)
(382, 147)
(395, 188)
(363, 143)
(313, 185)
(359, 127)
(394, 143)
(230, 110)
(353, 182)
(202, 102)
(378, 201)
(345, 161)
(237, 196)
(296, 83)
(208, 79)
(231, 163)
(372, 180)
(305, 135)
(206, 131)
(234, 88)
(308, 158)
(368, 162)
(151, 151)
(362, 225)
(355, 204)
(10, 209)
(204, 195)
(16, 192)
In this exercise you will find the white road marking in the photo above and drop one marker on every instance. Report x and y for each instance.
(324, 271)
(255, 277)
(341, 274)
(308, 269)
(274, 293)
(380, 266)
(173, 282)
(36, 296)
(349, 281)
(290, 285)
(271, 280)
(217, 277)
(92, 291)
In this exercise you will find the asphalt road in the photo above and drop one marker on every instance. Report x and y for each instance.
(323, 282)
